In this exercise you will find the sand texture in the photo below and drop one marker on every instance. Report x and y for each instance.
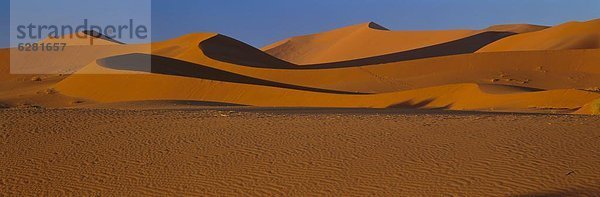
(509, 110)
(238, 151)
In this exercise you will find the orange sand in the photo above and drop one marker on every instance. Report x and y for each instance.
(360, 110)
(287, 152)
(367, 40)
(572, 35)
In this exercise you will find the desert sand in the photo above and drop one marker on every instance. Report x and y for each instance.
(371, 39)
(222, 69)
(572, 35)
(360, 110)
(249, 151)
(210, 67)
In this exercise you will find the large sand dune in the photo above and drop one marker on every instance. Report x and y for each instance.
(196, 76)
(237, 89)
(370, 39)
(535, 69)
(168, 66)
(210, 67)
(572, 35)
(465, 45)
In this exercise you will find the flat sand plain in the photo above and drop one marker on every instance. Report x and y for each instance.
(269, 151)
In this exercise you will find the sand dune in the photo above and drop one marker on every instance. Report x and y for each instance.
(572, 35)
(516, 28)
(77, 53)
(461, 46)
(341, 44)
(506, 89)
(85, 38)
(184, 73)
(590, 108)
(367, 40)
(164, 86)
(210, 67)
(226, 49)
(168, 66)
(247, 85)
(535, 69)
(70, 60)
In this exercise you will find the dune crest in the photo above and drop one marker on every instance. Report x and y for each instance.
(376, 26)
(528, 69)
(571, 35)
(221, 88)
(371, 39)
(85, 38)
(210, 67)
(532, 69)
(357, 41)
(516, 28)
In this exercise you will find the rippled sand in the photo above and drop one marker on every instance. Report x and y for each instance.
(251, 151)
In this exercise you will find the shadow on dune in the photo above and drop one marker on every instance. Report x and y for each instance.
(462, 46)
(168, 66)
(229, 50)
(98, 35)
(416, 105)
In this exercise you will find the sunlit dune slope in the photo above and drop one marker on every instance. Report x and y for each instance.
(590, 108)
(138, 63)
(226, 49)
(210, 67)
(367, 40)
(516, 28)
(534, 69)
(572, 35)
(80, 49)
(213, 48)
(464, 45)
(137, 87)
(70, 60)
(26, 77)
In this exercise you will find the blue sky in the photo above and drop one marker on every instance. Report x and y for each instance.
(260, 22)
